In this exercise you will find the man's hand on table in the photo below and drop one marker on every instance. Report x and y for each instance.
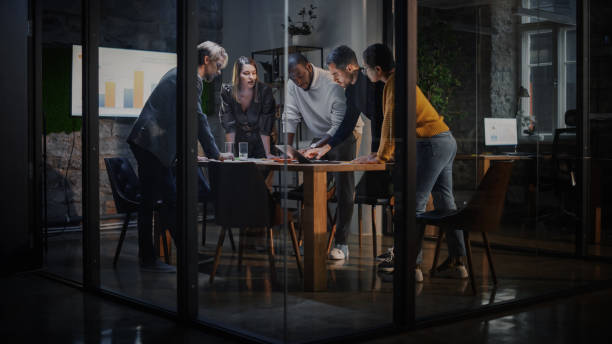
(317, 153)
(226, 156)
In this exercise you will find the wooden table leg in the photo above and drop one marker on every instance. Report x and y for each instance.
(315, 231)
(483, 167)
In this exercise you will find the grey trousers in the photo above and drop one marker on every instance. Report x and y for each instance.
(434, 174)
(345, 187)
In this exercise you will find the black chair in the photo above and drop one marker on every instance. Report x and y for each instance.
(375, 188)
(482, 214)
(204, 196)
(242, 200)
(126, 194)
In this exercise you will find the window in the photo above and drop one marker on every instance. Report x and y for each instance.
(549, 75)
(567, 72)
(538, 111)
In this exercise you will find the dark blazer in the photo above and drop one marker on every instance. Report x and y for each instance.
(259, 117)
(155, 128)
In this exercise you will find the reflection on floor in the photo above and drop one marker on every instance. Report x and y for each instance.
(358, 298)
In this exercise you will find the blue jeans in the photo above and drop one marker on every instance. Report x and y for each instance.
(434, 175)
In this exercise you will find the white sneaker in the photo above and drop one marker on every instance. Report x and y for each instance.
(418, 274)
(339, 252)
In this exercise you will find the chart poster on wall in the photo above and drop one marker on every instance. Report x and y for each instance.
(126, 79)
(500, 132)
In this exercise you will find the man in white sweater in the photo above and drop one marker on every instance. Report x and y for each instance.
(313, 97)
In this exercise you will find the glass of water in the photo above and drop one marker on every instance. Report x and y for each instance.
(229, 148)
(243, 150)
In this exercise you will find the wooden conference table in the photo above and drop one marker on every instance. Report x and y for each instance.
(314, 216)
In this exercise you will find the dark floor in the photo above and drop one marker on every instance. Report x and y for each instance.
(358, 298)
(34, 309)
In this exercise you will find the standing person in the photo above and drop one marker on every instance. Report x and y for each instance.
(247, 109)
(362, 97)
(153, 143)
(312, 96)
(435, 152)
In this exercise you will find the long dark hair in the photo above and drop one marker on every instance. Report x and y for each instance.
(238, 66)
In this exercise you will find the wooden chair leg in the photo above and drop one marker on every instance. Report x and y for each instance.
(374, 245)
(432, 272)
(271, 253)
(360, 219)
(241, 245)
(126, 222)
(300, 234)
(231, 237)
(485, 239)
(218, 254)
(270, 233)
(332, 234)
(296, 247)
(468, 247)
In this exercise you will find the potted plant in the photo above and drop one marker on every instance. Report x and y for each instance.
(300, 29)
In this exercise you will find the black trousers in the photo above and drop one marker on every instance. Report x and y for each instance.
(158, 190)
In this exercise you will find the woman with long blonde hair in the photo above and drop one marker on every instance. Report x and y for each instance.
(247, 109)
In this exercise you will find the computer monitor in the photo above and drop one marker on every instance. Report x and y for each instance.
(500, 132)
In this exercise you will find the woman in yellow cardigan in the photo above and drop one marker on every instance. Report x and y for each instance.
(435, 152)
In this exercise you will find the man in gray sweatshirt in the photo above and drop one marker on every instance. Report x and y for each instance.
(313, 97)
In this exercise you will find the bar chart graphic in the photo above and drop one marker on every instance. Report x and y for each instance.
(126, 79)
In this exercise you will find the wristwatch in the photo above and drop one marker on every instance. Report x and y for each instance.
(313, 145)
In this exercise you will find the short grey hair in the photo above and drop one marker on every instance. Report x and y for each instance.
(213, 50)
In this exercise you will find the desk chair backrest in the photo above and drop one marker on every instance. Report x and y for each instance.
(483, 212)
(124, 184)
(240, 195)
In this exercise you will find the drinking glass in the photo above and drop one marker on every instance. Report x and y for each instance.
(243, 150)
(229, 148)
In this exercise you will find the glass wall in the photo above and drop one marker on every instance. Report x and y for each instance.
(290, 250)
(600, 115)
(243, 260)
(137, 106)
(251, 279)
(62, 234)
(503, 75)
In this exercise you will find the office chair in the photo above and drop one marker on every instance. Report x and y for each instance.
(374, 188)
(482, 214)
(242, 200)
(125, 187)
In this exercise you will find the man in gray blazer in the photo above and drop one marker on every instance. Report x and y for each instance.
(153, 142)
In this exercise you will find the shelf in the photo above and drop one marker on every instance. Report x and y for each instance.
(292, 49)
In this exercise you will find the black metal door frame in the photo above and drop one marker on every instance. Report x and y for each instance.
(404, 174)
(90, 145)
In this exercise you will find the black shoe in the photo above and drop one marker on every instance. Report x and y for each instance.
(388, 265)
(452, 268)
(157, 266)
(386, 255)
